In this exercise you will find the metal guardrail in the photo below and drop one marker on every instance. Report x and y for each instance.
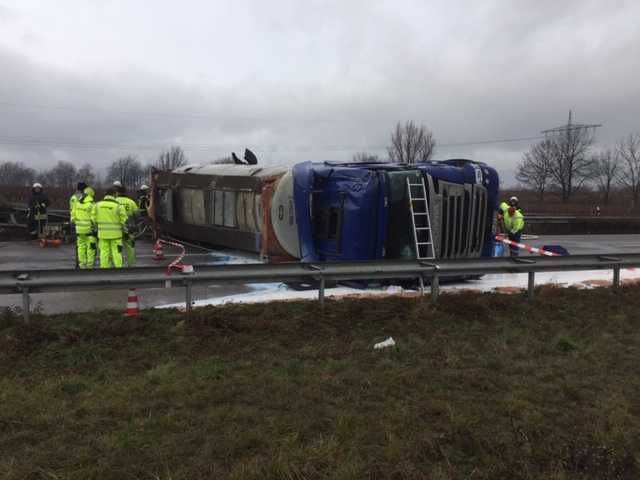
(25, 282)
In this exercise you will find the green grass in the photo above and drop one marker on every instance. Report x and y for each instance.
(483, 386)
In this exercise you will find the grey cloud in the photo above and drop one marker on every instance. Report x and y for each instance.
(488, 71)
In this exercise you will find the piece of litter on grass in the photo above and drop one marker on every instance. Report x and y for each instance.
(389, 342)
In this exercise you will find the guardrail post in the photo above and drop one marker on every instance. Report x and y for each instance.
(435, 286)
(531, 285)
(321, 292)
(421, 278)
(188, 296)
(26, 304)
(616, 277)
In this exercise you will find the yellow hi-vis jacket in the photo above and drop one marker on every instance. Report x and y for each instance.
(110, 218)
(130, 206)
(73, 201)
(81, 215)
(512, 223)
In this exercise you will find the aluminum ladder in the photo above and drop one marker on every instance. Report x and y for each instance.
(420, 220)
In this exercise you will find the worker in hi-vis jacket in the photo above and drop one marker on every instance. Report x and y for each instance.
(81, 215)
(110, 220)
(131, 209)
(513, 221)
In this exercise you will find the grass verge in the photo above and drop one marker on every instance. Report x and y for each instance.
(483, 386)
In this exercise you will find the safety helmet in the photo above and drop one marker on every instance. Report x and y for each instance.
(513, 199)
(37, 185)
(89, 191)
(144, 187)
(117, 183)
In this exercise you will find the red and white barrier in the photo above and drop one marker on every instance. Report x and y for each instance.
(158, 254)
(177, 263)
(528, 248)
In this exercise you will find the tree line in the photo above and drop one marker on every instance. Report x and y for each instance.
(569, 162)
(127, 169)
(566, 163)
(410, 143)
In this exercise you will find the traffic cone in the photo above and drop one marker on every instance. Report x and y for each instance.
(132, 309)
(157, 251)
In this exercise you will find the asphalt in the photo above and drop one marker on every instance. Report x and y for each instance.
(589, 244)
(28, 255)
(25, 255)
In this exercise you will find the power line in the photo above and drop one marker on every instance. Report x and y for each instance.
(483, 142)
(82, 144)
(27, 142)
(98, 145)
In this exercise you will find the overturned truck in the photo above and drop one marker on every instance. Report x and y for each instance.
(332, 211)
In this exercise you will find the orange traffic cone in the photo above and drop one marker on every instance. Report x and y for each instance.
(132, 309)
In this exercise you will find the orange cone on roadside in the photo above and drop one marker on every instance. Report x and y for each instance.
(132, 310)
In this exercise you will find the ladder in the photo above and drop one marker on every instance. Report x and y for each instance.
(420, 219)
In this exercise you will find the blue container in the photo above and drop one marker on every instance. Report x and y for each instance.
(498, 249)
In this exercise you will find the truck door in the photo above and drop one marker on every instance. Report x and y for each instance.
(345, 207)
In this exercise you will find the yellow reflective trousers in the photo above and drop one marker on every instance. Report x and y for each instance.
(110, 250)
(87, 246)
(130, 247)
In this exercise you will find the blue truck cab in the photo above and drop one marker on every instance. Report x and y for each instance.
(361, 211)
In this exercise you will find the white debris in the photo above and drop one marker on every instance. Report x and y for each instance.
(488, 283)
(389, 342)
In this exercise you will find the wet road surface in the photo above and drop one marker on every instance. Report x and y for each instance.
(27, 255)
(589, 244)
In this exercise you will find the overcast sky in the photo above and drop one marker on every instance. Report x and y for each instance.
(303, 80)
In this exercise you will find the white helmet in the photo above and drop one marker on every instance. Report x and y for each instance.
(513, 199)
(37, 185)
(117, 183)
(144, 187)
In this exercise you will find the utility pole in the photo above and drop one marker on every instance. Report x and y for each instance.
(570, 144)
(570, 127)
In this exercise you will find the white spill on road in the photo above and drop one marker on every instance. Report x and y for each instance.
(507, 283)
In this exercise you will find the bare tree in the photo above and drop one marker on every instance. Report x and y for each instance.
(364, 157)
(171, 159)
(62, 175)
(606, 167)
(147, 172)
(86, 174)
(127, 170)
(16, 174)
(99, 180)
(535, 169)
(571, 164)
(629, 151)
(411, 143)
